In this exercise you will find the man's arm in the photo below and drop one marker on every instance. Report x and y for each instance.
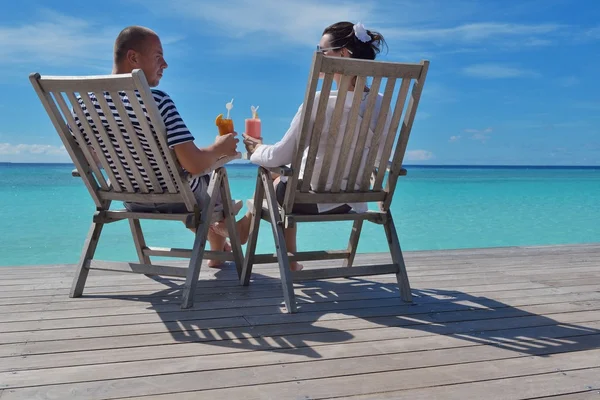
(195, 160)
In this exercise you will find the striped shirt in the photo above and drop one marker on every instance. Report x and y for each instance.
(177, 133)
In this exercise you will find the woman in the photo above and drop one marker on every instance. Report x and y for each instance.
(343, 39)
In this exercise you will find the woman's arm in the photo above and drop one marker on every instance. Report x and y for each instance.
(282, 152)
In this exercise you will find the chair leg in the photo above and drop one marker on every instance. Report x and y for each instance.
(138, 240)
(89, 248)
(282, 256)
(353, 242)
(238, 255)
(193, 272)
(259, 194)
(397, 258)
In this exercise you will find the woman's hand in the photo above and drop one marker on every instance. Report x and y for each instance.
(251, 143)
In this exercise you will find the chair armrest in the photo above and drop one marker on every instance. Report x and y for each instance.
(403, 171)
(283, 170)
(220, 162)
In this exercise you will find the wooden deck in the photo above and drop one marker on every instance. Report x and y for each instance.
(511, 323)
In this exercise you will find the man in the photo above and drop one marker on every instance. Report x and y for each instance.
(138, 47)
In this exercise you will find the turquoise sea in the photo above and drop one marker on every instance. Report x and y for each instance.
(45, 213)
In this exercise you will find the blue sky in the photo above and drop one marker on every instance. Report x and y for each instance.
(510, 82)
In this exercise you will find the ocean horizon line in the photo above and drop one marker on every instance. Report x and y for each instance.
(432, 166)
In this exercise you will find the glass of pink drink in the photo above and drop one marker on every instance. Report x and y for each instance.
(253, 127)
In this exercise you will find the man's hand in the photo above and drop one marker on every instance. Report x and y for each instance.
(226, 145)
(251, 143)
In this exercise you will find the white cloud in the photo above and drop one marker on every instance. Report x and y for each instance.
(476, 33)
(31, 149)
(480, 134)
(497, 71)
(58, 40)
(419, 155)
(294, 21)
(454, 138)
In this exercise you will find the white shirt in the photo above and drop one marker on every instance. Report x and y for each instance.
(283, 152)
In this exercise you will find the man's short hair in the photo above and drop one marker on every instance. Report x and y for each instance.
(131, 38)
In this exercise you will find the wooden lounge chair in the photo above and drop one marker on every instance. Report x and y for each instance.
(107, 182)
(375, 182)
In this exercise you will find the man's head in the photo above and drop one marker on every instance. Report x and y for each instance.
(139, 47)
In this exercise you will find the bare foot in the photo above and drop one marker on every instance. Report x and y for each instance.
(216, 263)
(242, 226)
(295, 266)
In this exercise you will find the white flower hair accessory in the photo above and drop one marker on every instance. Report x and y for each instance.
(361, 33)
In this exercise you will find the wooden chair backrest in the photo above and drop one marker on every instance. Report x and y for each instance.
(128, 139)
(342, 149)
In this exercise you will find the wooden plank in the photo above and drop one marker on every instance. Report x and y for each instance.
(142, 197)
(402, 327)
(353, 243)
(303, 198)
(324, 343)
(370, 353)
(326, 379)
(312, 274)
(570, 385)
(138, 268)
(357, 67)
(376, 140)
(287, 284)
(89, 132)
(435, 262)
(90, 83)
(168, 157)
(250, 255)
(305, 129)
(135, 141)
(119, 167)
(126, 157)
(452, 311)
(365, 126)
(350, 137)
(317, 132)
(80, 139)
(391, 134)
(304, 256)
(407, 124)
(332, 135)
(138, 240)
(330, 298)
(150, 136)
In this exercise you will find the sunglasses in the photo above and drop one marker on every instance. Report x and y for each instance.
(324, 50)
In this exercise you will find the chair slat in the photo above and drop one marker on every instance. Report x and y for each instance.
(89, 132)
(404, 134)
(175, 184)
(362, 135)
(332, 134)
(391, 135)
(350, 136)
(87, 83)
(80, 139)
(126, 158)
(356, 67)
(150, 138)
(375, 146)
(110, 148)
(135, 141)
(317, 130)
(309, 97)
